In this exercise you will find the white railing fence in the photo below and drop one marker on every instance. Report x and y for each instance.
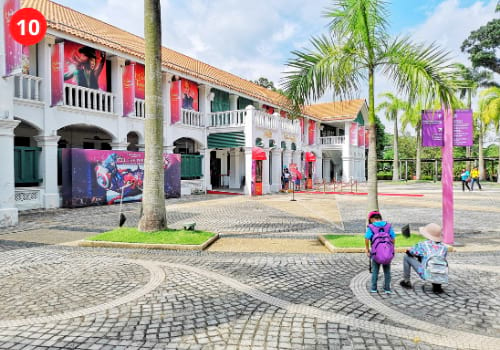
(89, 99)
(140, 108)
(266, 121)
(332, 140)
(227, 119)
(27, 87)
(192, 118)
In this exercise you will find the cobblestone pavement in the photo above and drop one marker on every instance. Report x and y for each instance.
(60, 297)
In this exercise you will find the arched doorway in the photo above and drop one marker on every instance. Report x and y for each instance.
(133, 141)
(191, 160)
(84, 136)
(26, 156)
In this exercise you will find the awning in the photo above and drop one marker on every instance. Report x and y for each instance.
(310, 157)
(258, 154)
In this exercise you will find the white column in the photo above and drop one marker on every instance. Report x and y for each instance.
(318, 171)
(8, 210)
(117, 64)
(206, 168)
(347, 157)
(265, 174)
(233, 102)
(48, 162)
(287, 158)
(327, 169)
(45, 69)
(306, 132)
(276, 175)
(248, 170)
(167, 130)
(204, 102)
(235, 171)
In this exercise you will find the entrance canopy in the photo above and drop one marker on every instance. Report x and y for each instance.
(258, 154)
(310, 157)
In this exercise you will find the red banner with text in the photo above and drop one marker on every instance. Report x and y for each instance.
(57, 76)
(175, 102)
(13, 49)
(129, 90)
(353, 133)
(312, 131)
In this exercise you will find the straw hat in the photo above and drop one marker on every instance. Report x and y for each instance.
(432, 232)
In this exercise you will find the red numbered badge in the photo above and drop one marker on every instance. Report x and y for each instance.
(28, 26)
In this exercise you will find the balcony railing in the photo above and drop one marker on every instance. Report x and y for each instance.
(140, 108)
(27, 87)
(290, 126)
(192, 118)
(227, 119)
(266, 121)
(89, 99)
(332, 140)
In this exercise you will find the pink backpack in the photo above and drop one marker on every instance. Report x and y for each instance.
(382, 246)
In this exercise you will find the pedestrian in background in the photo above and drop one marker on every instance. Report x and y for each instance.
(465, 177)
(474, 174)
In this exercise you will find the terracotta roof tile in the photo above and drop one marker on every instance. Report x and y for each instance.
(335, 110)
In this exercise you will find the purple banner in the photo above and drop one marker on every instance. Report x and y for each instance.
(13, 49)
(93, 177)
(462, 128)
(57, 76)
(128, 90)
(432, 128)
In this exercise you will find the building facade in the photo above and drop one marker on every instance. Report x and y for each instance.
(82, 86)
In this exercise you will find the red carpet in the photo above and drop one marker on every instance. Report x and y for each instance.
(364, 193)
(223, 192)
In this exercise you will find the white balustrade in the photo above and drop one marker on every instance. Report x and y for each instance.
(192, 118)
(27, 87)
(266, 121)
(290, 126)
(140, 108)
(332, 140)
(227, 119)
(89, 99)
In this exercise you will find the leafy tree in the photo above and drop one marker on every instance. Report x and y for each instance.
(268, 84)
(153, 198)
(357, 47)
(489, 108)
(482, 46)
(380, 137)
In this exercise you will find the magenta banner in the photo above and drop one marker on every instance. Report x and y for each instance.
(367, 138)
(94, 177)
(128, 90)
(57, 76)
(13, 49)
(432, 128)
(312, 131)
(462, 128)
(353, 133)
(175, 101)
(361, 136)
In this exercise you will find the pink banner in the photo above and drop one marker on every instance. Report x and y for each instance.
(283, 114)
(84, 66)
(353, 133)
(361, 136)
(301, 120)
(57, 77)
(140, 86)
(367, 138)
(13, 49)
(312, 131)
(129, 92)
(175, 102)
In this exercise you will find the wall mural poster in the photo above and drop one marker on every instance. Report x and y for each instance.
(361, 136)
(312, 133)
(56, 74)
(254, 176)
(140, 82)
(353, 133)
(129, 91)
(367, 138)
(13, 49)
(94, 177)
(84, 66)
(175, 102)
(189, 95)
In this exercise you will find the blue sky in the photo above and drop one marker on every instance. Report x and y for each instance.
(254, 38)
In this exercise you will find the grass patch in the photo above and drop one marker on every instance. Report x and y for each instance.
(358, 241)
(168, 236)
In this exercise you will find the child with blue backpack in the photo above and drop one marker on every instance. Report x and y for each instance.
(381, 237)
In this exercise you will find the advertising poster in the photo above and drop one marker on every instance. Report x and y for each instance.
(189, 95)
(84, 66)
(140, 82)
(353, 133)
(283, 114)
(462, 128)
(312, 131)
(94, 177)
(129, 91)
(301, 120)
(56, 74)
(13, 49)
(175, 102)
(254, 176)
(361, 136)
(432, 128)
(367, 138)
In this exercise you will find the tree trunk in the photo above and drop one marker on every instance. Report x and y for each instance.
(395, 166)
(418, 166)
(153, 199)
(498, 168)
(372, 151)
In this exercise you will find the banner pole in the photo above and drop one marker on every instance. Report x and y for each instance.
(447, 177)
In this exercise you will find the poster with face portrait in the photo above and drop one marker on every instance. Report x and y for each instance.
(189, 93)
(140, 85)
(84, 66)
(13, 49)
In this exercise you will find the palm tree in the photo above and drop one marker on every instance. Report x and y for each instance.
(412, 115)
(489, 108)
(392, 106)
(357, 47)
(153, 199)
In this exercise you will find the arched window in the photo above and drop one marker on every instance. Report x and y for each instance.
(294, 146)
(258, 142)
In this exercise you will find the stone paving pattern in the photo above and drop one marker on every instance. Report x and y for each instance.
(62, 297)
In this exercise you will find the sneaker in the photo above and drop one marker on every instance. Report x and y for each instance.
(388, 291)
(405, 284)
(373, 291)
(436, 288)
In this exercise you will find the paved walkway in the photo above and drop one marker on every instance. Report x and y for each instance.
(60, 297)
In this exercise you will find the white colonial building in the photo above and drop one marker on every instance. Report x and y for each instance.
(51, 102)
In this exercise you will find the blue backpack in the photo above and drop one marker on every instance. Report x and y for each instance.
(382, 245)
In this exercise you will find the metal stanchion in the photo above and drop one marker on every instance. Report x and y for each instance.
(293, 193)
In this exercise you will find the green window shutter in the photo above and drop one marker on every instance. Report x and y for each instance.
(226, 140)
(220, 102)
(26, 165)
(191, 166)
(244, 102)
